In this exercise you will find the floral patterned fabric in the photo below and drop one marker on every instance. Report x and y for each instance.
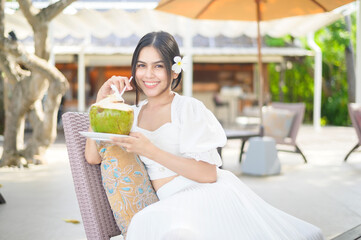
(126, 183)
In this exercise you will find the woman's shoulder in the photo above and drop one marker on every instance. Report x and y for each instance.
(186, 107)
(188, 102)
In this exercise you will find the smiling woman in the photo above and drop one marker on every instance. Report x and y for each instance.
(177, 137)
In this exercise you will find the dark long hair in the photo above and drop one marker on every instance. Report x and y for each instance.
(167, 48)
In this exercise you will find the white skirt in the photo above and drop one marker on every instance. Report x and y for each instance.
(224, 210)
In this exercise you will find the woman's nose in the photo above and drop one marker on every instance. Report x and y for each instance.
(149, 72)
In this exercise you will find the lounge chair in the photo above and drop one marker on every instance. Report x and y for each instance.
(298, 109)
(354, 111)
(97, 216)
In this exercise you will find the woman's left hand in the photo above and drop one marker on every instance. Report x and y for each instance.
(136, 143)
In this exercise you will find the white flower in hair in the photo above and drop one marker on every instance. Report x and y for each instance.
(179, 64)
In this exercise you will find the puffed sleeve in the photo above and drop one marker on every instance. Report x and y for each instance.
(200, 133)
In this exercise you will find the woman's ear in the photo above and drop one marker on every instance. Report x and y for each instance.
(174, 75)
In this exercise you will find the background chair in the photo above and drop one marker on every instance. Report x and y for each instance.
(97, 216)
(354, 111)
(219, 103)
(298, 109)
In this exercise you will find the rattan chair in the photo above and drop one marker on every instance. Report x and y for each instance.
(96, 214)
(356, 123)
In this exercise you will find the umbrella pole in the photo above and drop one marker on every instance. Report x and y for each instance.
(260, 68)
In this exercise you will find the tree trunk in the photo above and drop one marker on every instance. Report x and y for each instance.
(27, 97)
(13, 119)
(40, 139)
(2, 107)
(14, 131)
(350, 64)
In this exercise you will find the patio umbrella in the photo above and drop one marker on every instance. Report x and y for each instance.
(249, 10)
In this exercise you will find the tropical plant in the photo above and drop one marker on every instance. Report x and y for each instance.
(298, 86)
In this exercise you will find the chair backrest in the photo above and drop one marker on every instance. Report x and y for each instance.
(95, 210)
(299, 110)
(354, 111)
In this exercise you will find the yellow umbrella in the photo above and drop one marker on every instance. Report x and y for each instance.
(249, 10)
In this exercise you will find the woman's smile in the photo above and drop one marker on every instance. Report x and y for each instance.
(151, 84)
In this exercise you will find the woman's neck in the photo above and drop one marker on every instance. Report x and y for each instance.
(160, 100)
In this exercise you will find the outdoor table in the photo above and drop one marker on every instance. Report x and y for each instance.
(243, 135)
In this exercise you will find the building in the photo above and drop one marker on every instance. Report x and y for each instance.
(94, 40)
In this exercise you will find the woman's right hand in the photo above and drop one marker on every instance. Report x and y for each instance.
(119, 82)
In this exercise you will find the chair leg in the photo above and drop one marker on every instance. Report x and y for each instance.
(298, 150)
(2, 200)
(353, 149)
(242, 147)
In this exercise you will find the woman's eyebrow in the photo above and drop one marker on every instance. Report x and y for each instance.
(160, 61)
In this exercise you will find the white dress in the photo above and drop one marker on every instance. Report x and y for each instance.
(224, 210)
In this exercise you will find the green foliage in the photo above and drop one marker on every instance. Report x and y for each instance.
(298, 85)
(277, 42)
(299, 79)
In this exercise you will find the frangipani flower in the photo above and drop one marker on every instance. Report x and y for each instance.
(179, 64)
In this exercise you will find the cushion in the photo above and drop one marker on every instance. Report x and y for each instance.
(277, 122)
(126, 183)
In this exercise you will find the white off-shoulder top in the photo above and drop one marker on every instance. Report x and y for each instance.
(194, 132)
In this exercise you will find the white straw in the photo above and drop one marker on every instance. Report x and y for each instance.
(130, 79)
(116, 91)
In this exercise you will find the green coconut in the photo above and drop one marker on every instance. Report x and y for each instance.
(111, 116)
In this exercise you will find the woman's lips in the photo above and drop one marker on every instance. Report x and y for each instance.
(151, 84)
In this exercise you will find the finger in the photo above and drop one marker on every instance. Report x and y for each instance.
(122, 140)
(117, 83)
(106, 86)
(117, 140)
(120, 85)
(125, 147)
(123, 83)
(112, 81)
(135, 134)
(127, 84)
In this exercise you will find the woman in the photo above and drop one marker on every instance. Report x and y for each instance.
(177, 138)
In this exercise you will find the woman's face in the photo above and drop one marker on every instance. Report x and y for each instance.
(151, 73)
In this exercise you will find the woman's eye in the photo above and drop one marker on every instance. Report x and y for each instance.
(140, 65)
(159, 66)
